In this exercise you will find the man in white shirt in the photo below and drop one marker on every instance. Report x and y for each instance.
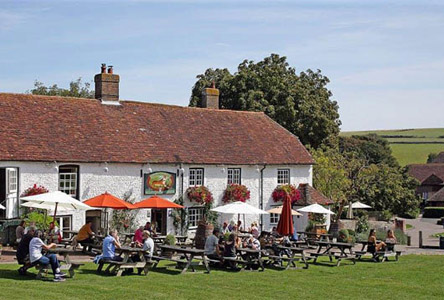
(212, 245)
(35, 255)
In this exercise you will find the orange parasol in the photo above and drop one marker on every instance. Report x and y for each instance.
(156, 202)
(107, 200)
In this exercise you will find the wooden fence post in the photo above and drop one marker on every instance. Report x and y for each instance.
(420, 239)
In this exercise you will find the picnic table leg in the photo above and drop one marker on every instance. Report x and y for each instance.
(304, 259)
(261, 263)
(189, 260)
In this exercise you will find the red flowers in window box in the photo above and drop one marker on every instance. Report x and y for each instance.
(281, 191)
(236, 192)
(34, 190)
(199, 194)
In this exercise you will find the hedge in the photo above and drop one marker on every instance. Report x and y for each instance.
(433, 212)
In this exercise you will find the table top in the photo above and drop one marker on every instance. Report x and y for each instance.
(249, 250)
(314, 233)
(129, 249)
(61, 250)
(334, 244)
(70, 231)
(291, 248)
(183, 250)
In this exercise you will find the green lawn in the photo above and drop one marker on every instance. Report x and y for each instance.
(412, 277)
(409, 153)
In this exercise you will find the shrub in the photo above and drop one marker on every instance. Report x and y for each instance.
(362, 224)
(433, 212)
(236, 192)
(344, 236)
(38, 219)
(170, 240)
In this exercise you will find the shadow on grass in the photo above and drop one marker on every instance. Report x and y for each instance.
(14, 275)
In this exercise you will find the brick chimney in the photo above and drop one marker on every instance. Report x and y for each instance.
(107, 84)
(210, 97)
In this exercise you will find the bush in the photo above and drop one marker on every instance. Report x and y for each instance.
(381, 235)
(170, 240)
(39, 219)
(344, 236)
(433, 212)
(362, 224)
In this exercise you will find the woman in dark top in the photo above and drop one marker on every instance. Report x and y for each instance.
(230, 250)
(372, 242)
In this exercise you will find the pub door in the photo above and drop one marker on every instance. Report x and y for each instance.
(159, 217)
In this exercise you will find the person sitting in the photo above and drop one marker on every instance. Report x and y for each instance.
(275, 233)
(23, 251)
(148, 226)
(35, 255)
(264, 239)
(252, 243)
(147, 245)
(230, 249)
(239, 226)
(85, 235)
(138, 236)
(254, 230)
(31, 224)
(231, 226)
(54, 233)
(225, 228)
(20, 231)
(212, 250)
(109, 247)
(373, 245)
(390, 240)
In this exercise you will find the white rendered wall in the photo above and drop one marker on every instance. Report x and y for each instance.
(121, 179)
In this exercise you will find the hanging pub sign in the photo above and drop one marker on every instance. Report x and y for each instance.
(156, 183)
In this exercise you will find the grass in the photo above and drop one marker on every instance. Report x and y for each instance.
(410, 153)
(409, 226)
(437, 235)
(412, 277)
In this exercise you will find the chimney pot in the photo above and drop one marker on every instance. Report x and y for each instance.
(110, 69)
(103, 68)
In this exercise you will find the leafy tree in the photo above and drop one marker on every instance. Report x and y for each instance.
(301, 103)
(431, 157)
(77, 88)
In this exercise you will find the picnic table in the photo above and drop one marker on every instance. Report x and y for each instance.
(248, 258)
(378, 256)
(315, 236)
(330, 246)
(128, 236)
(65, 264)
(117, 267)
(186, 260)
(292, 255)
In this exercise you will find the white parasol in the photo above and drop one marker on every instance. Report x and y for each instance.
(359, 205)
(2, 207)
(316, 209)
(278, 211)
(239, 208)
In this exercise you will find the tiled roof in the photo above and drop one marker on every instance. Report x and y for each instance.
(439, 158)
(432, 180)
(310, 195)
(437, 197)
(423, 171)
(44, 128)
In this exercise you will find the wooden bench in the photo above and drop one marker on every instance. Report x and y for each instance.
(70, 268)
(379, 256)
(180, 263)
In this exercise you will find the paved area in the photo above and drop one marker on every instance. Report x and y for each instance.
(428, 228)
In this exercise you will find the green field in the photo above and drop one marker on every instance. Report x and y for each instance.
(412, 277)
(410, 146)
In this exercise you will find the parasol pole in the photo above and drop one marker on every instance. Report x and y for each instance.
(55, 211)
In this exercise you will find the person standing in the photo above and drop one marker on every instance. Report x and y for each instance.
(20, 231)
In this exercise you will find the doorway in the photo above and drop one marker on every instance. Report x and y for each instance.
(9, 193)
(159, 217)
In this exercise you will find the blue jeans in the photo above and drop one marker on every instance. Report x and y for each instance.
(50, 259)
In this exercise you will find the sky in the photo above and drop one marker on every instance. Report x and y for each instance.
(384, 59)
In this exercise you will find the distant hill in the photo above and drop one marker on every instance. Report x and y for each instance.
(409, 146)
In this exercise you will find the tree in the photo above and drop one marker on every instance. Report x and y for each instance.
(77, 88)
(431, 157)
(300, 103)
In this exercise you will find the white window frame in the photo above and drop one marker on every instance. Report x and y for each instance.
(425, 195)
(195, 214)
(65, 225)
(283, 176)
(12, 180)
(196, 176)
(68, 181)
(234, 175)
(274, 219)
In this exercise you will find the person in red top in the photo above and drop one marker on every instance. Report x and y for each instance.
(138, 236)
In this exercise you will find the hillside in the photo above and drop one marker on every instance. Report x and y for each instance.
(409, 146)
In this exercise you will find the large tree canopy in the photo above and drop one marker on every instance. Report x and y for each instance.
(77, 88)
(301, 103)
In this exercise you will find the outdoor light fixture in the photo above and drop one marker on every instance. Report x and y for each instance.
(56, 167)
(182, 170)
(257, 169)
(106, 168)
(222, 169)
(149, 169)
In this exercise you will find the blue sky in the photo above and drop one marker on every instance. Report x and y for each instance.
(385, 59)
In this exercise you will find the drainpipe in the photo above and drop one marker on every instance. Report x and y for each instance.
(261, 196)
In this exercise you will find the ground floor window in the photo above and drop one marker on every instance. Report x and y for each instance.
(274, 218)
(65, 224)
(195, 214)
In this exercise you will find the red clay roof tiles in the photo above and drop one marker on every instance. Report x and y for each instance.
(44, 128)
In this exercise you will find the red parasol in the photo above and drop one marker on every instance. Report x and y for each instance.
(285, 225)
(156, 202)
(109, 201)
